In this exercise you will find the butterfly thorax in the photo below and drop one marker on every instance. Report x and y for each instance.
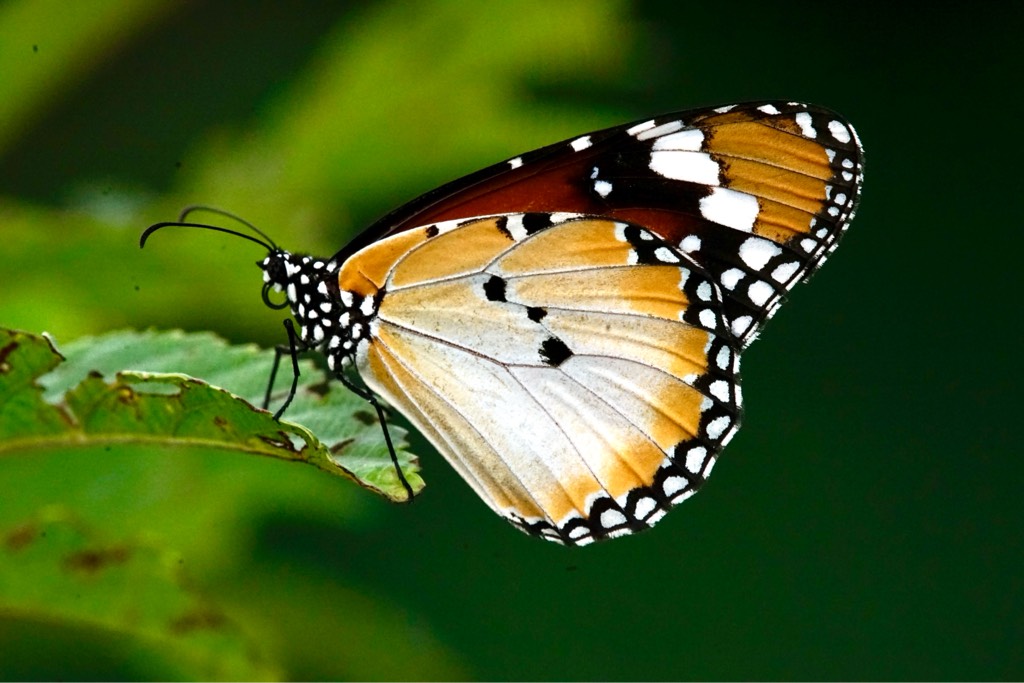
(331, 319)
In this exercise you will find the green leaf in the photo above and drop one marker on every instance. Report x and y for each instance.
(55, 568)
(87, 400)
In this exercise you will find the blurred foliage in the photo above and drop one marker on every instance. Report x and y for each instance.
(864, 524)
(118, 389)
(55, 569)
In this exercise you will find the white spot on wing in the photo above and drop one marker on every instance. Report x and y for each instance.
(769, 109)
(784, 272)
(562, 217)
(806, 123)
(723, 358)
(695, 459)
(759, 292)
(580, 144)
(756, 252)
(515, 163)
(741, 325)
(673, 485)
(665, 255)
(515, 227)
(644, 507)
(731, 277)
(839, 131)
(730, 208)
(694, 167)
(612, 518)
(602, 187)
(685, 140)
(658, 131)
(690, 244)
(446, 226)
(707, 318)
(639, 128)
(717, 426)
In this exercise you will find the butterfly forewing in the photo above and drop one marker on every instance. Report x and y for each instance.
(577, 371)
(758, 194)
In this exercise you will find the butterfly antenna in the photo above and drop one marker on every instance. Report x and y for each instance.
(177, 224)
(183, 216)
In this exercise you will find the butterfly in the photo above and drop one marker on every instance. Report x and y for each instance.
(566, 326)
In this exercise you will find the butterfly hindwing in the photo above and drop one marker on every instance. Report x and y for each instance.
(576, 371)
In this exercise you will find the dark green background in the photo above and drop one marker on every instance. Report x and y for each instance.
(864, 524)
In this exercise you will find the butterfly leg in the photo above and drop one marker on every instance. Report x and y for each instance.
(292, 350)
(372, 400)
(278, 351)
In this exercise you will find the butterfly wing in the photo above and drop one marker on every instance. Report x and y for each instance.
(757, 194)
(577, 371)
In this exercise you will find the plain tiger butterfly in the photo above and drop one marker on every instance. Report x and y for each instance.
(566, 326)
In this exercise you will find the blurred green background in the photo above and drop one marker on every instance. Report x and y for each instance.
(864, 524)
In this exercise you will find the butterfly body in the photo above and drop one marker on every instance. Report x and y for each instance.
(566, 326)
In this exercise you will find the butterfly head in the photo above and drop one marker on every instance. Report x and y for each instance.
(303, 280)
(324, 316)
